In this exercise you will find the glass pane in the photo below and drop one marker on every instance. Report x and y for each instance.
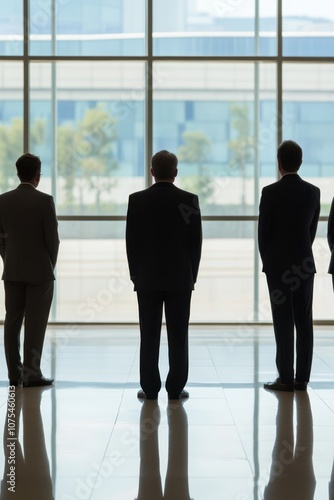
(308, 114)
(323, 300)
(220, 120)
(41, 22)
(11, 122)
(308, 28)
(87, 27)
(215, 28)
(225, 285)
(41, 140)
(93, 282)
(11, 28)
(11, 132)
(94, 113)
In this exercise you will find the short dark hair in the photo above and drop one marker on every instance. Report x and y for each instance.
(164, 164)
(290, 155)
(28, 166)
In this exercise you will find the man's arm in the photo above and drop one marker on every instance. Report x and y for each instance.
(131, 237)
(50, 224)
(314, 224)
(264, 224)
(2, 242)
(195, 238)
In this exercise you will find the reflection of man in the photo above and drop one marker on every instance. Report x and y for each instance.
(32, 472)
(163, 239)
(292, 475)
(149, 475)
(29, 248)
(176, 483)
(289, 212)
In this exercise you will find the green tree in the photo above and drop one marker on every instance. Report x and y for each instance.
(97, 133)
(196, 150)
(11, 142)
(68, 161)
(241, 146)
(86, 154)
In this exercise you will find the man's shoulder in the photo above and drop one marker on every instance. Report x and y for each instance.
(42, 195)
(270, 187)
(138, 194)
(311, 185)
(185, 193)
(23, 192)
(308, 187)
(9, 197)
(8, 194)
(155, 188)
(282, 184)
(34, 192)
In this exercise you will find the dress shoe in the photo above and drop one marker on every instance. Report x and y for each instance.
(300, 386)
(277, 385)
(142, 395)
(182, 395)
(41, 382)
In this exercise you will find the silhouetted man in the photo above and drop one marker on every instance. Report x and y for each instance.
(163, 240)
(29, 247)
(289, 212)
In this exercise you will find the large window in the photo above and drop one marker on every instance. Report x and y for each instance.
(95, 87)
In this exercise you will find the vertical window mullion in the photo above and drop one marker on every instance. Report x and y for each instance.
(256, 152)
(279, 73)
(149, 92)
(26, 107)
(54, 117)
(54, 122)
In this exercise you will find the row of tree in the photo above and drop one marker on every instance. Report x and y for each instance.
(86, 155)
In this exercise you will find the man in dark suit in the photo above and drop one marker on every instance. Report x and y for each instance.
(288, 219)
(29, 247)
(163, 241)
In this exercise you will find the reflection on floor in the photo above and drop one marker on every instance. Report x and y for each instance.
(89, 438)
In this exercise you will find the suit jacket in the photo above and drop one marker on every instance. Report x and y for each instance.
(29, 239)
(330, 237)
(163, 238)
(288, 219)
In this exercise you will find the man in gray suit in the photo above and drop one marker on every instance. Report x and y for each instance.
(29, 245)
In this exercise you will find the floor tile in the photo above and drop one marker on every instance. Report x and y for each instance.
(88, 437)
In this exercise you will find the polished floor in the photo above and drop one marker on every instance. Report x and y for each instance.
(89, 438)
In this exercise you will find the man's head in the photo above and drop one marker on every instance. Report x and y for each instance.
(164, 166)
(29, 168)
(289, 156)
